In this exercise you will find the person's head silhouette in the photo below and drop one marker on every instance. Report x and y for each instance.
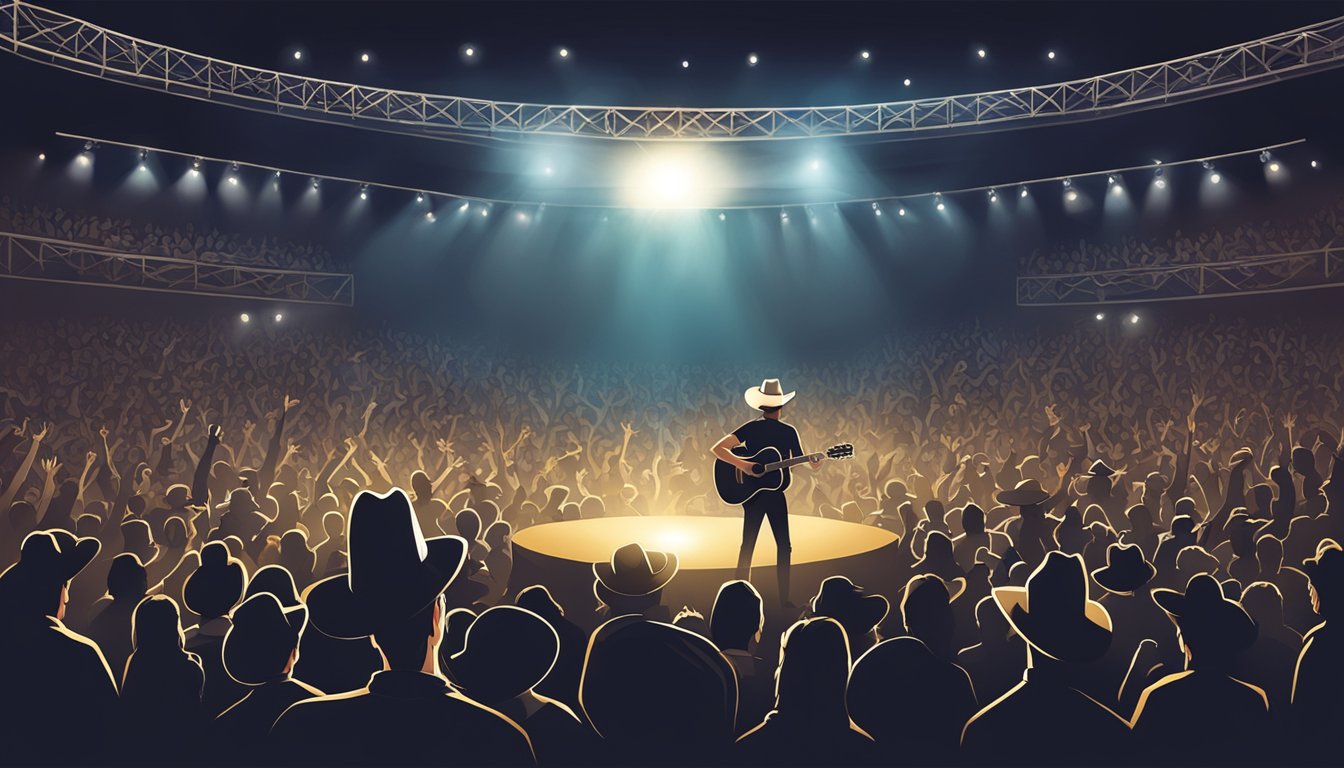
(738, 616)
(1326, 575)
(507, 652)
(126, 578)
(813, 672)
(263, 643)
(926, 611)
(37, 585)
(156, 625)
(1054, 614)
(1212, 628)
(217, 585)
(633, 580)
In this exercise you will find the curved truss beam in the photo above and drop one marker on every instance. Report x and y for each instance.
(25, 257)
(1249, 276)
(70, 43)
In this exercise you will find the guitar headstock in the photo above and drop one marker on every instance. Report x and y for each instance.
(841, 451)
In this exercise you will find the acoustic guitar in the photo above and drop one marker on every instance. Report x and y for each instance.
(737, 487)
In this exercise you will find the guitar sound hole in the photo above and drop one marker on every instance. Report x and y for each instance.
(758, 469)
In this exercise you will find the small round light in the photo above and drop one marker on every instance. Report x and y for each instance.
(246, 318)
(1216, 178)
(1274, 167)
(981, 53)
(316, 182)
(941, 206)
(723, 216)
(41, 155)
(485, 211)
(429, 215)
(420, 197)
(1101, 316)
(1117, 190)
(469, 52)
(464, 207)
(564, 53)
(865, 55)
(233, 180)
(1315, 164)
(1050, 55)
(364, 57)
(1022, 192)
(685, 64)
(1133, 319)
(1160, 183)
(752, 60)
(1071, 196)
(906, 81)
(279, 316)
(298, 55)
(900, 211)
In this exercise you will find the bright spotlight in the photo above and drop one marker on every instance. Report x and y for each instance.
(364, 192)
(521, 216)
(685, 64)
(196, 164)
(41, 156)
(233, 180)
(906, 81)
(1071, 196)
(364, 57)
(1133, 319)
(981, 53)
(941, 206)
(752, 60)
(1101, 316)
(279, 316)
(420, 197)
(485, 212)
(464, 207)
(246, 318)
(900, 211)
(316, 182)
(298, 55)
(1022, 192)
(1160, 183)
(1117, 190)
(1050, 55)
(564, 53)
(1216, 177)
(469, 52)
(1110, 180)
(429, 215)
(83, 158)
(671, 177)
(723, 216)
(1315, 164)
(865, 55)
(815, 164)
(1274, 167)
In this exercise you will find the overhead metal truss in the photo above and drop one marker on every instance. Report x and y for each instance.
(24, 257)
(1252, 275)
(76, 45)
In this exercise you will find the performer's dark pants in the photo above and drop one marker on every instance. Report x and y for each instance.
(772, 505)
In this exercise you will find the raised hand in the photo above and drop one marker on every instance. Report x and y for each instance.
(213, 432)
(103, 432)
(290, 402)
(40, 436)
(184, 406)
(19, 430)
(50, 467)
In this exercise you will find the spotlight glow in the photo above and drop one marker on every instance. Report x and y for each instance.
(279, 316)
(900, 211)
(906, 81)
(429, 215)
(815, 164)
(485, 212)
(752, 60)
(1274, 167)
(941, 206)
(865, 55)
(1160, 184)
(83, 159)
(464, 207)
(671, 177)
(233, 180)
(469, 52)
(420, 197)
(1315, 164)
(564, 53)
(1022, 192)
(1101, 316)
(1216, 178)
(723, 216)
(1071, 196)
(1133, 319)
(685, 64)
(1050, 55)
(246, 318)
(298, 55)
(981, 53)
(41, 156)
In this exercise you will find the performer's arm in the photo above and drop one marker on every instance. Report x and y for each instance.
(723, 450)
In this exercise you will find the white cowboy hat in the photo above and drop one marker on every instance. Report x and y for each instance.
(769, 395)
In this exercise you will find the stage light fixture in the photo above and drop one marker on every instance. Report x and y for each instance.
(1101, 316)
(485, 212)
(246, 318)
(864, 55)
(1068, 183)
(429, 216)
(41, 156)
(1264, 156)
(1206, 165)
(364, 192)
(1274, 167)
(1160, 183)
(685, 64)
(752, 60)
(900, 211)
(1050, 55)
(906, 81)
(1133, 319)
(469, 52)
(1071, 196)
(1216, 177)
(233, 180)
(420, 197)
(1110, 180)
(196, 164)
(981, 53)
(1022, 191)
(233, 167)
(464, 207)
(723, 216)
(298, 55)
(940, 205)
(1315, 164)
(364, 57)
(279, 316)
(564, 53)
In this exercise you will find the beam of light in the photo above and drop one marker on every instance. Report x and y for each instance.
(671, 177)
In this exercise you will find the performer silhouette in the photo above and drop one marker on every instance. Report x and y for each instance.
(768, 431)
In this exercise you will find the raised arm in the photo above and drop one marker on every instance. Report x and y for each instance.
(12, 490)
(200, 481)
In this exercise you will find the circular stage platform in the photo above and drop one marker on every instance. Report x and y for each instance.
(561, 556)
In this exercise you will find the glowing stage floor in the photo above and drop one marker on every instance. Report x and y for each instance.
(561, 555)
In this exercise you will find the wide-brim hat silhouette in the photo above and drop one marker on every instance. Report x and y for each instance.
(1100, 468)
(1204, 611)
(217, 585)
(1025, 494)
(1126, 569)
(508, 650)
(275, 580)
(1053, 612)
(846, 602)
(261, 638)
(635, 572)
(932, 582)
(52, 557)
(770, 394)
(394, 572)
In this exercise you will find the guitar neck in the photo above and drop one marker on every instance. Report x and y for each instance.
(772, 466)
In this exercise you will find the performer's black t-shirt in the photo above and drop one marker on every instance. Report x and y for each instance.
(770, 433)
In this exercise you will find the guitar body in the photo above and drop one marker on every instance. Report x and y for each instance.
(737, 487)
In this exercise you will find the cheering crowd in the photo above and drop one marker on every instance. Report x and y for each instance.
(140, 236)
(1320, 224)
(201, 533)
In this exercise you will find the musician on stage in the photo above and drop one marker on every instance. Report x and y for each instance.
(768, 431)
